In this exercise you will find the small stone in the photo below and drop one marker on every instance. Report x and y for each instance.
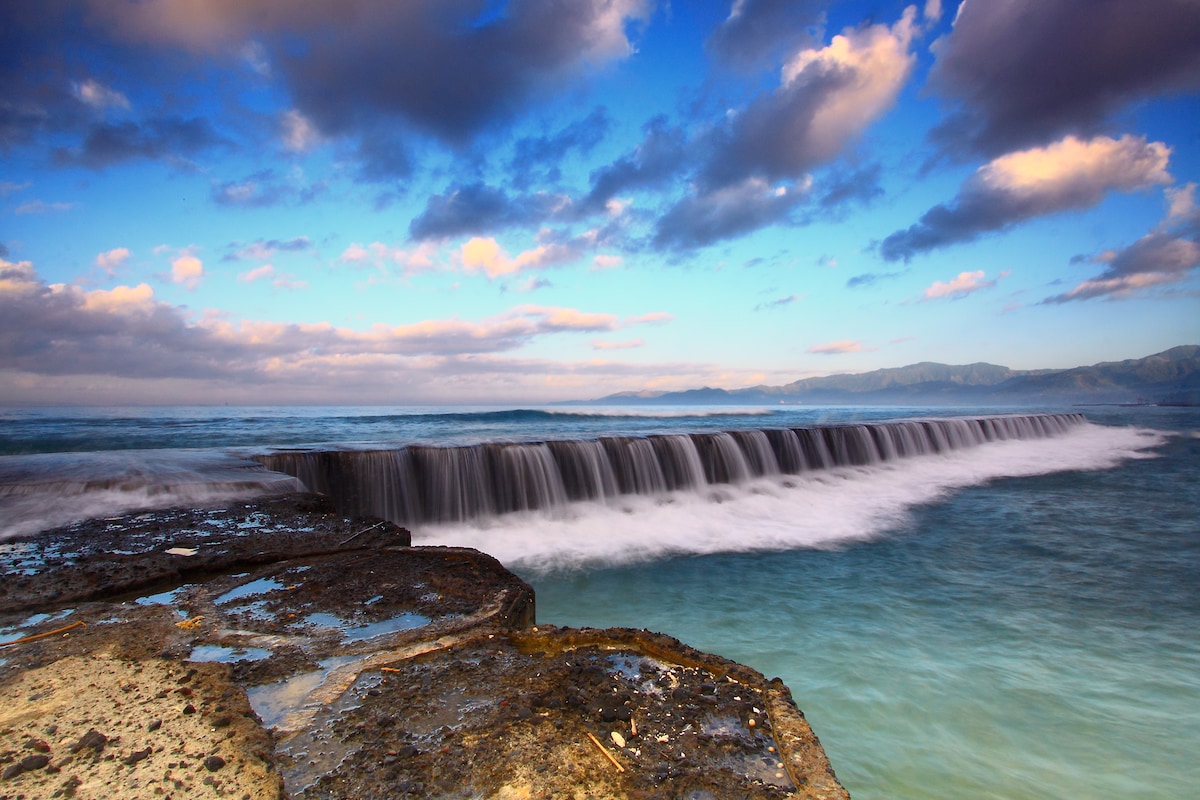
(751, 722)
(93, 739)
(222, 721)
(213, 763)
(618, 739)
(189, 709)
(135, 757)
(38, 745)
(30, 763)
(154, 725)
(12, 771)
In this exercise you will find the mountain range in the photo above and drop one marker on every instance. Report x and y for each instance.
(1171, 377)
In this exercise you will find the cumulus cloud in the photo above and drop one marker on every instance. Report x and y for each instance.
(299, 133)
(109, 261)
(1024, 72)
(962, 285)
(837, 348)
(379, 255)
(540, 156)
(1166, 255)
(826, 98)
(659, 158)
(480, 254)
(756, 31)
(1068, 175)
(187, 270)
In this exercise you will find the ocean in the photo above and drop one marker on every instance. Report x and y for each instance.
(997, 609)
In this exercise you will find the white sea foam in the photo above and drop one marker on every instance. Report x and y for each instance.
(815, 509)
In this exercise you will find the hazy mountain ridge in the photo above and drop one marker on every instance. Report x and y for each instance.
(1172, 376)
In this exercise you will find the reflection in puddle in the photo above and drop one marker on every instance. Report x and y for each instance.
(358, 633)
(275, 701)
(227, 655)
(260, 586)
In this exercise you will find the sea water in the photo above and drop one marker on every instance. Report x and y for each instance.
(1019, 619)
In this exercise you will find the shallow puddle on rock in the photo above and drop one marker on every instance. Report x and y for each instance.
(259, 586)
(358, 633)
(317, 751)
(227, 655)
(273, 702)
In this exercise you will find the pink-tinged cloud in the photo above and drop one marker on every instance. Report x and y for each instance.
(837, 348)
(484, 254)
(112, 259)
(187, 270)
(100, 97)
(1071, 174)
(628, 344)
(964, 284)
(1168, 254)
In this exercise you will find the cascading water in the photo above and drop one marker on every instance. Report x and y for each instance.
(411, 485)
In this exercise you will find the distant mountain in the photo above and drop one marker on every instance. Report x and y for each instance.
(1172, 376)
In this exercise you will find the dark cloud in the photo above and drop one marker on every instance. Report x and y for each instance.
(847, 187)
(477, 209)
(756, 32)
(1164, 256)
(382, 157)
(170, 137)
(264, 189)
(1025, 72)
(540, 156)
(660, 157)
(439, 65)
(1071, 174)
(701, 219)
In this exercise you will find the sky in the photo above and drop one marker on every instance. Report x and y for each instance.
(525, 201)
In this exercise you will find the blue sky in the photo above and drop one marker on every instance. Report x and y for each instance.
(479, 201)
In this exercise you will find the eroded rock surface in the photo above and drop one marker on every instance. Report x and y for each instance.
(284, 650)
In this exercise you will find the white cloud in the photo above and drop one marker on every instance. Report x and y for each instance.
(110, 260)
(187, 270)
(960, 286)
(98, 96)
(299, 133)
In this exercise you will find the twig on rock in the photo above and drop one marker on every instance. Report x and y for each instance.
(604, 750)
(55, 632)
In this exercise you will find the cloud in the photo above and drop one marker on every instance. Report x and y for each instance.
(532, 284)
(264, 249)
(485, 255)
(98, 96)
(478, 209)
(779, 302)
(267, 272)
(449, 67)
(42, 207)
(540, 156)
(961, 286)
(187, 270)
(1068, 175)
(702, 218)
(110, 260)
(9, 187)
(298, 132)
(1024, 72)
(158, 138)
(658, 159)
(756, 31)
(126, 333)
(628, 344)
(263, 189)
(869, 278)
(378, 254)
(1166, 255)
(826, 98)
(837, 348)
(606, 261)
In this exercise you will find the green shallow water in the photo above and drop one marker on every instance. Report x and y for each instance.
(1027, 638)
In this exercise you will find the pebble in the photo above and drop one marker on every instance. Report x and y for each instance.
(213, 763)
(618, 739)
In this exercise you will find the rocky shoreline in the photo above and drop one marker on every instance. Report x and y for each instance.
(276, 649)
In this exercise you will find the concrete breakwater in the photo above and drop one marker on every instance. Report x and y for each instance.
(276, 648)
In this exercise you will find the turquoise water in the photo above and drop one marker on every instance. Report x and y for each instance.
(1029, 637)
(1015, 620)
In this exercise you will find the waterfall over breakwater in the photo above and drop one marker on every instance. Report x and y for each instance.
(426, 484)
